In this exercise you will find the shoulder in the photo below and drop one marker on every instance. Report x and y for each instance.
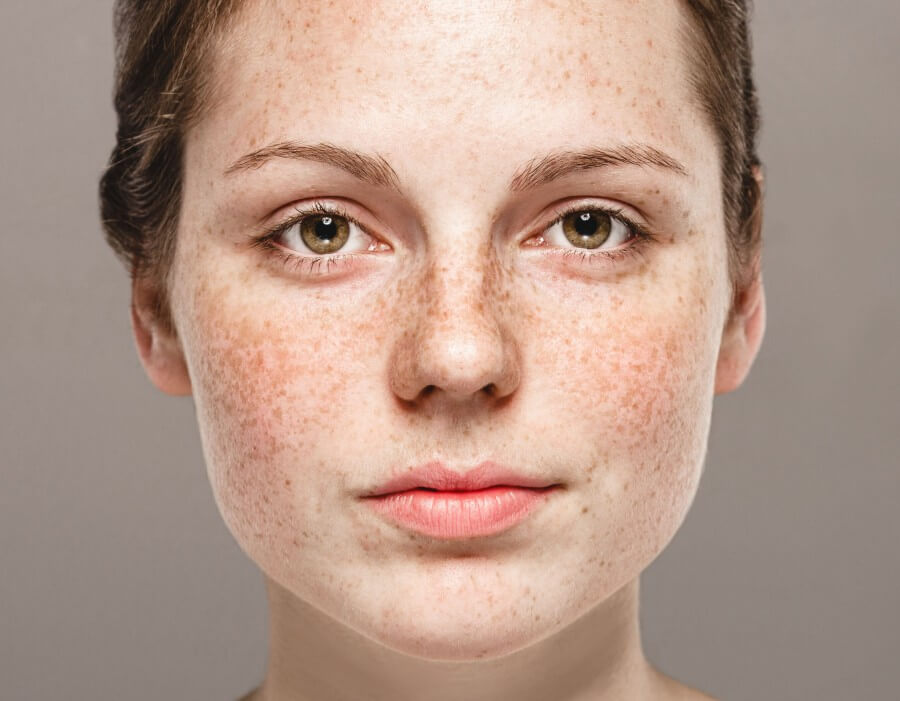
(673, 690)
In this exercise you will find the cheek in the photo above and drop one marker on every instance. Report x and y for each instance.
(664, 400)
(264, 386)
(635, 394)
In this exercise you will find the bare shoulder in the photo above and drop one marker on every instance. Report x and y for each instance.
(673, 690)
(687, 693)
(696, 695)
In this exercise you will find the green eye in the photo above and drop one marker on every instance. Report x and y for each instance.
(324, 233)
(587, 228)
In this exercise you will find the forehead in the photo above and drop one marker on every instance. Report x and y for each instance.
(376, 75)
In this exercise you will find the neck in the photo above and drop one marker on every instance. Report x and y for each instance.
(313, 657)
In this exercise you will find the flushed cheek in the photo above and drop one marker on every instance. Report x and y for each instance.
(638, 392)
(666, 397)
(265, 388)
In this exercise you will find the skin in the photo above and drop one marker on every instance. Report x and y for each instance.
(310, 391)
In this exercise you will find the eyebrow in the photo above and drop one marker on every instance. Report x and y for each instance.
(541, 171)
(376, 171)
(371, 169)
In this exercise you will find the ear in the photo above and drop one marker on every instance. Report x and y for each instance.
(742, 338)
(157, 342)
(746, 325)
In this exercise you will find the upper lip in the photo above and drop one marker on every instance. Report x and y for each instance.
(435, 475)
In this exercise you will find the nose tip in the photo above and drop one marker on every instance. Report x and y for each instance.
(463, 364)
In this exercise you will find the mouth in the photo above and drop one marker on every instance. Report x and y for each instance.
(437, 502)
(435, 476)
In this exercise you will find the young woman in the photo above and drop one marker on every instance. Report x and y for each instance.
(452, 285)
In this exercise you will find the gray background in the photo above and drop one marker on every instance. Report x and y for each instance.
(118, 578)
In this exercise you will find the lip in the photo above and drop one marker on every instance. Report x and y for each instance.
(434, 475)
(438, 502)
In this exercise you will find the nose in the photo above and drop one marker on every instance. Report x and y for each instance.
(455, 349)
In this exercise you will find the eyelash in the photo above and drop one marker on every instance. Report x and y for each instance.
(639, 236)
(306, 266)
(311, 266)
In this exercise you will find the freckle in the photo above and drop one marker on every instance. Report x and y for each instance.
(618, 90)
(584, 509)
(287, 483)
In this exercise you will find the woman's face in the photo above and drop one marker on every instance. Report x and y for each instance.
(316, 382)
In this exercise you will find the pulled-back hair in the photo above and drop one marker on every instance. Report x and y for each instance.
(162, 83)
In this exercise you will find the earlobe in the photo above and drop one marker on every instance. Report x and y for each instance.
(157, 344)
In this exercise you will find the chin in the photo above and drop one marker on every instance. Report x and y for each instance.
(459, 612)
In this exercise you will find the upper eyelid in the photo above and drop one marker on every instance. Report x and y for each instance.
(611, 211)
(577, 204)
(301, 212)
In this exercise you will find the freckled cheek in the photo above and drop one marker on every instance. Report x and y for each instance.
(662, 431)
(641, 393)
(265, 398)
(660, 386)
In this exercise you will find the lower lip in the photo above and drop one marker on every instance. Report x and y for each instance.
(469, 514)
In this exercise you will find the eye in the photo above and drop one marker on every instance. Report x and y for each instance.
(591, 228)
(320, 233)
(319, 229)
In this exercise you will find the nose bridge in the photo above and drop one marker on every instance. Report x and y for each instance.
(458, 343)
(458, 287)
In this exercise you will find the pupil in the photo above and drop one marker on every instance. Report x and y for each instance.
(586, 224)
(325, 228)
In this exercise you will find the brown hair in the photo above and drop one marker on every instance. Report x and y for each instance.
(721, 69)
(162, 47)
(161, 52)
